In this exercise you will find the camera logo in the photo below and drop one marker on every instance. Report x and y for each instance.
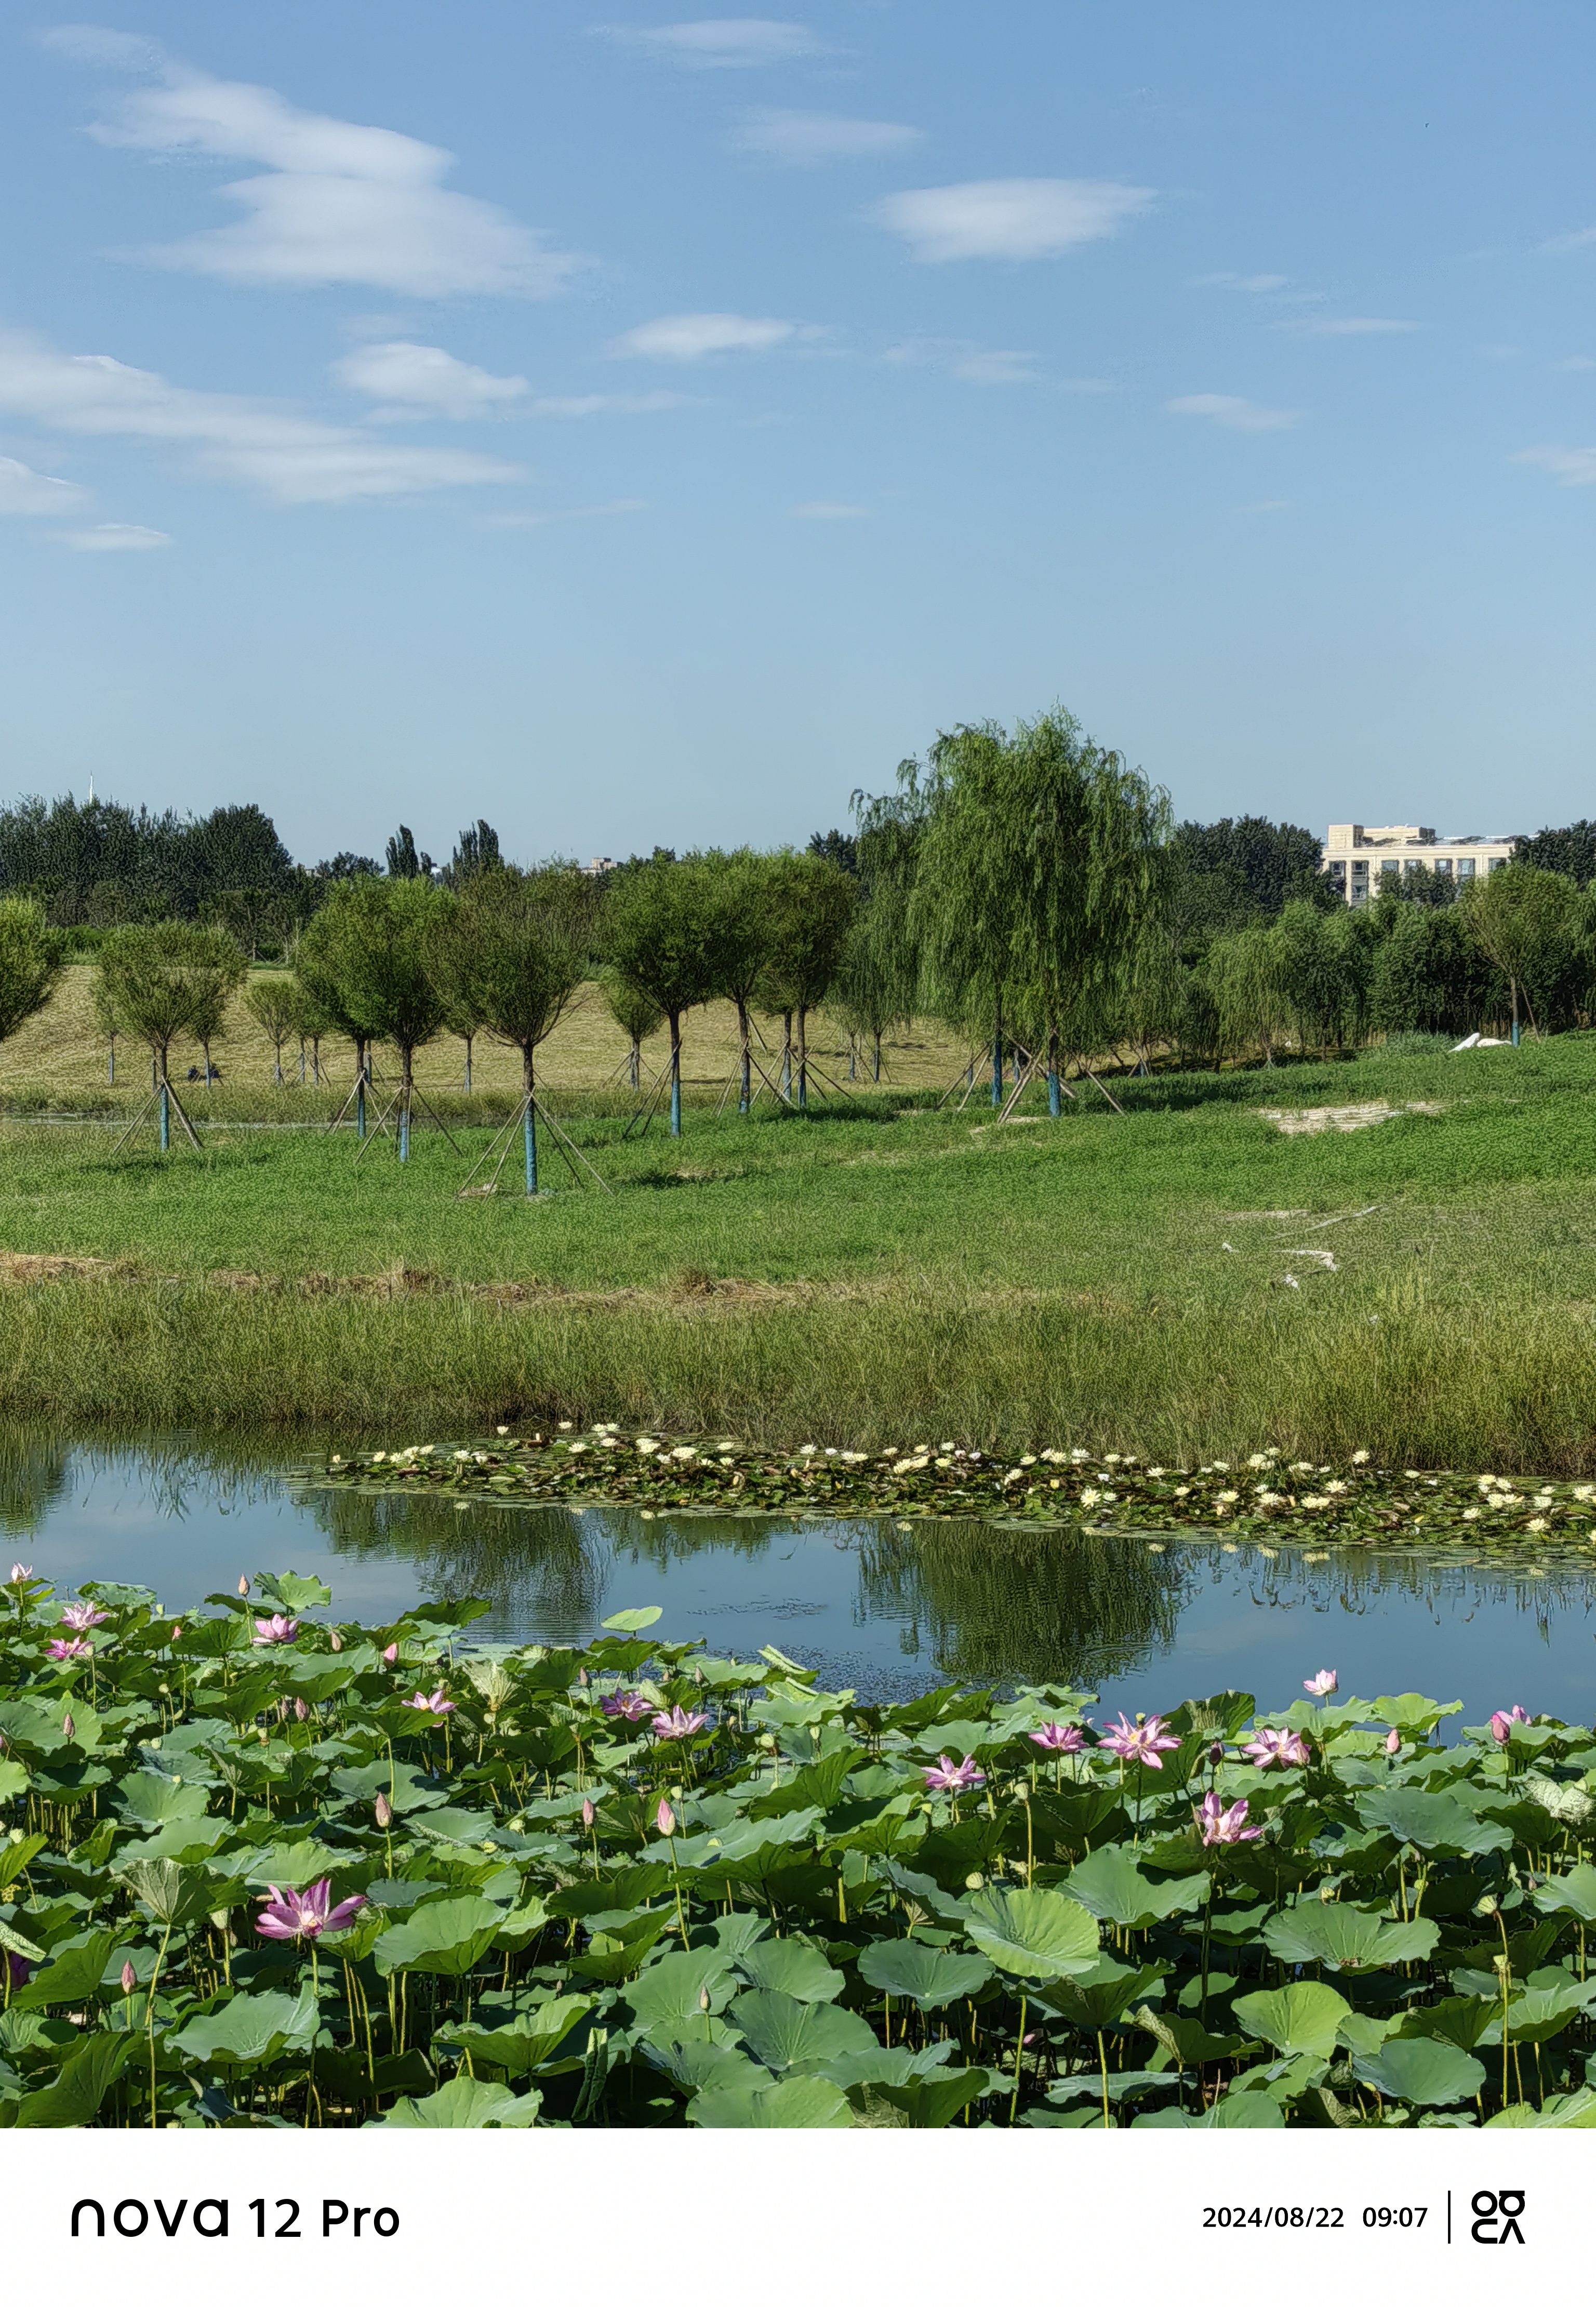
(1496, 2215)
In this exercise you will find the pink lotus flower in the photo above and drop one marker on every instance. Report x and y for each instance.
(60, 1651)
(631, 1703)
(664, 1817)
(21, 1573)
(382, 1811)
(1143, 1741)
(947, 1776)
(79, 1616)
(129, 1979)
(1324, 1683)
(1501, 1725)
(1393, 1743)
(436, 1705)
(1057, 1737)
(390, 1655)
(1283, 1747)
(335, 1640)
(21, 1968)
(301, 1711)
(275, 1629)
(588, 1813)
(304, 1914)
(678, 1724)
(1219, 1824)
(176, 1635)
(243, 1585)
(68, 1726)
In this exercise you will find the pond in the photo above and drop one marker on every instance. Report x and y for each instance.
(885, 1609)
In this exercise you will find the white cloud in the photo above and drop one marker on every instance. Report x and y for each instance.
(805, 139)
(1252, 284)
(1574, 469)
(720, 43)
(293, 460)
(971, 362)
(1017, 216)
(114, 537)
(94, 44)
(694, 336)
(1238, 415)
(342, 203)
(24, 491)
(423, 381)
(823, 511)
(1351, 325)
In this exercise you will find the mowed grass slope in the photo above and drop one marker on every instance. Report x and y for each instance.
(1157, 1280)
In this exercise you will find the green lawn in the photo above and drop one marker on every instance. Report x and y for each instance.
(898, 1267)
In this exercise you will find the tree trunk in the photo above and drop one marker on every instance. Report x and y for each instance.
(787, 1053)
(998, 1057)
(407, 1057)
(744, 1067)
(675, 1073)
(803, 1057)
(530, 1119)
(877, 1075)
(1054, 1104)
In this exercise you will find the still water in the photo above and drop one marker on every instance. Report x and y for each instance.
(876, 1606)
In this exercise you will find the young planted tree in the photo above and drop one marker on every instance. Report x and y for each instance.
(1247, 975)
(164, 981)
(660, 927)
(32, 955)
(739, 892)
(511, 951)
(274, 1004)
(638, 1016)
(810, 901)
(1530, 924)
(367, 956)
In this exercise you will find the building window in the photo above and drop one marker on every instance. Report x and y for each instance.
(1465, 867)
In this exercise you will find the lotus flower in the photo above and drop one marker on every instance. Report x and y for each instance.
(1143, 1741)
(129, 1979)
(382, 1811)
(664, 1817)
(390, 1655)
(1393, 1743)
(1501, 1725)
(304, 1914)
(301, 1711)
(68, 1726)
(588, 1813)
(1283, 1747)
(1219, 1824)
(21, 1573)
(79, 1616)
(677, 1724)
(1324, 1683)
(335, 1640)
(434, 1704)
(275, 1629)
(1057, 1737)
(631, 1703)
(61, 1651)
(947, 1776)
(243, 1585)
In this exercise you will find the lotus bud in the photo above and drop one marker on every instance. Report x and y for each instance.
(20, 1574)
(176, 1634)
(1393, 1743)
(382, 1811)
(128, 1981)
(243, 1585)
(301, 1711)
(664, 1817)
(703, 1998)
(1216, 1753)
(588, 1813)
(67, 1729)
(390, 1655)
(335, 1640)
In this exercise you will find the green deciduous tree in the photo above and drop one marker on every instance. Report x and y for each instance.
(274, 1004)
(659, 934)
(165, 981)
(811, 903)
(1248, 976)
(1532, 924)
(367, 956)
(32, 955)
(637, 1016)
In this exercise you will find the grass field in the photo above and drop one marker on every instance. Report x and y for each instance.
(862, 1275)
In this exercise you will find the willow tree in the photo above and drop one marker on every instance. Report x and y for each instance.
(1247, 973)
(367, 956)
(1532, 924)
(274, 1004)
(165, 981)
(879, 980)
(1043, 857)
(32, 955)
(810, 903)
(659, 933)
(511, 951)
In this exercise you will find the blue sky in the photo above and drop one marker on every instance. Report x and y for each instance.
(632, 427)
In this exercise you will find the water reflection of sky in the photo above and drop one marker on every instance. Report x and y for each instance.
(881, 1609)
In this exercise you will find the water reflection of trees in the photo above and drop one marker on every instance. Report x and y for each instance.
(35, 1475)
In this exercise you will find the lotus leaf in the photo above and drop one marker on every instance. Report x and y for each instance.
(1573, 1893)
(1421, 2069)
(1430, 1822)
(533, 2037)
(789, 1967)
(1187, 2040)
(927, 1976)
(930, 2102)
(672, 1997)
(152, 1798)
(1111, 1885)
(174, 1894)
(1302, 2019)
(75, 2097)
(75, 1975)
(798, 2102)
(249, 2031)
(444, 1937)
(1575, 2112)
(1033, 1933)
(462, 2104)
(783, 2033)
(1346, 1938)
(1236, 2110)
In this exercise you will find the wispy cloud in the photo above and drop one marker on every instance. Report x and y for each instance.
(695, 336)
(291, 458)
(719, 43)
(1351, 324)
(341, 202)
(423, 381)
(1574, 469)
(611, 403)
(1238, 415)
(823, 510)
(1250, 284)
(963, 357)
(1014, 217)
(805, 140)
(36, 494)
(114, 536)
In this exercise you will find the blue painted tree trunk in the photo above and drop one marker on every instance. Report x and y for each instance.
(165, 1117)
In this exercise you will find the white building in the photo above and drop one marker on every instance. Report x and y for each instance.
(1357, 857)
